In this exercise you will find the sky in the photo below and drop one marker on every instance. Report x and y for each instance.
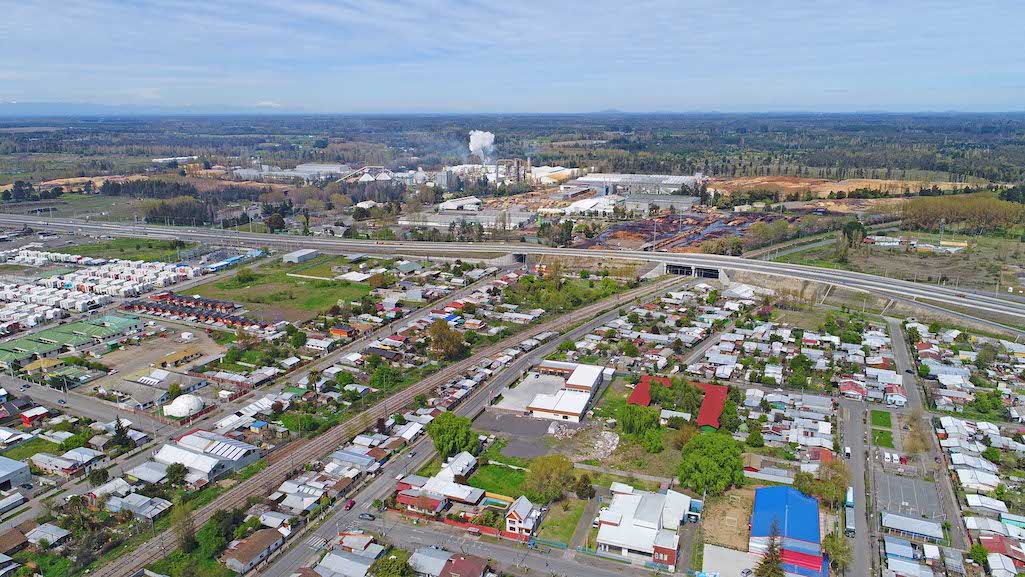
(447, 56)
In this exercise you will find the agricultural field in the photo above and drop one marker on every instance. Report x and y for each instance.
(92, 206)
(274, 295)
(132, 249)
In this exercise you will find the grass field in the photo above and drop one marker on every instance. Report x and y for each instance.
(498, 479)
(880, 419)
(31, 447)
(559, 524)
(14, 268)
(882, 438)
(131, 249)
(276, 296)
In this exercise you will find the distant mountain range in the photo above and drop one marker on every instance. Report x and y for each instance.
(23, 109)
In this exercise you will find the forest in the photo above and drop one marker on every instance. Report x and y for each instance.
(967, 148)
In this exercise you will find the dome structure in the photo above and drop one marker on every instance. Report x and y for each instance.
(184, 406)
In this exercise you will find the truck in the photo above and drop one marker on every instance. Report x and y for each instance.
(850, 497)
(849, 527)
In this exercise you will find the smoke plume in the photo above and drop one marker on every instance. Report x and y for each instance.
(482, 144)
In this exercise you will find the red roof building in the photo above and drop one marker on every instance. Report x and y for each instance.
(464, 566)
(641, 394)
(1004, 546)
(712, 405)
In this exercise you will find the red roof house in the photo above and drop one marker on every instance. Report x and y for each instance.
(641, 394)
(712, 405)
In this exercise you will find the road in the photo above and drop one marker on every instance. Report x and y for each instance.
(301, 554)
(948, 499)
(306, 450)
(853, 414)
(891, 288)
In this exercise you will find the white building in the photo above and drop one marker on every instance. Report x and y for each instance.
(642, 526)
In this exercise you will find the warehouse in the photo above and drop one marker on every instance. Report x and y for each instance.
(13, 473)
(618, 183)
(796, 517)
(643, 526)
(300, 256)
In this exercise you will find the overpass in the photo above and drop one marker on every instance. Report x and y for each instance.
(704, 265)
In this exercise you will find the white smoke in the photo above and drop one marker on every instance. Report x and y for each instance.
(482, 144)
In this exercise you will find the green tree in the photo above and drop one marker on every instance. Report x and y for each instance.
(175, 474)
(652, 441)
(978, 553)
(805, 482)
(121, 438)
(838, 549)
(771, 564)
(298, 339)
(583, 487)
(638, 420)
(923, 371)
(451, 434)
(174, 391)
(755, 439)
(712, 463)
(547, 477)
(390, 566)
(98, 477)
(184, 526)
(446, 342)
(992, 454)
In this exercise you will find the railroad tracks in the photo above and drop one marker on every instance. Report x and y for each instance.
(306, 450)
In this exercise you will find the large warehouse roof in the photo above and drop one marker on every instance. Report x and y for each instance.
(796, 513)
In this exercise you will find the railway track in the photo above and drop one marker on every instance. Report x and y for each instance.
(306, 450)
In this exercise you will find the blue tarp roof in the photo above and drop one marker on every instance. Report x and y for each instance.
(797, 514)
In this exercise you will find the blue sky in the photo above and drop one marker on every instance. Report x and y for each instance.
(519, 56)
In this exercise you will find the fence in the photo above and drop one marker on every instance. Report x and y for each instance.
(556, 544)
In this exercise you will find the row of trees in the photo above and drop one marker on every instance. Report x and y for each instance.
(973, 213)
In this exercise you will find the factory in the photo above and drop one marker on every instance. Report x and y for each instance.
(619, 183)
(489, 219)
(309, 172)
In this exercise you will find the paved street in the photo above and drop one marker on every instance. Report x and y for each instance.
(853, 418)
(301, 553)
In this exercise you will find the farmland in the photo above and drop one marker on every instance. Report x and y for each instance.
(132, 249)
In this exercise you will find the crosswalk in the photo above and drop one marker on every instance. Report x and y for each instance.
(316, 542)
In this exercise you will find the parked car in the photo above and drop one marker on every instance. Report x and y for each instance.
(350, 504)
(61, 402)
(886, 457)
(847, 452)
(903, 460)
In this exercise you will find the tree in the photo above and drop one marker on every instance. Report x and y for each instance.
(978, 553)
(712, 463)
(547, 477)
(121, 438)
(838, 549)
(992, 454)
(923, 371)
(638, 420)
(446, 342)
(771, 564)
(98, 477)
(833, 482)
(184, 526)
(175, 474)
(451, 434)
(652, 441)
(583, 488)
(174, 391)
(805, 482)
(755, 439)
(298, 339)
(391, 566)
(275, 222)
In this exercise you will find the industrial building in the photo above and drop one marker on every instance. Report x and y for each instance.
(300, 256)
(208, 456)
(13, 473)
(570, 402)
(643, 526)
(619, 183)
(796, 517)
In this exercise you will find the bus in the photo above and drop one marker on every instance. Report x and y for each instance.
(850, 497)
(849, 528)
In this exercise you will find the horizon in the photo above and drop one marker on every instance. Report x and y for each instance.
(449, 57)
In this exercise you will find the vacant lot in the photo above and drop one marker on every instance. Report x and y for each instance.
(274, 295)
(131, 249)
(880, 419)
(561, 520)
(499, 479)
(981, 266)
(31, 447)
(882, 438)
(725, 519)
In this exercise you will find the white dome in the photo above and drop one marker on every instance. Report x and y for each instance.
(184, 406)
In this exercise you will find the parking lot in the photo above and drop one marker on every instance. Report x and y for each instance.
(727, 562)
(516, 399)
(907, 496)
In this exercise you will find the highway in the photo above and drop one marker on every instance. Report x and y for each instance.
(891, 288)
(302, 553)
(299, 452)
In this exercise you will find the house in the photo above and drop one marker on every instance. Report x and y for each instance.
(33, 416)
(522, 517)
(895, 395)
(47, 535)
(642, 526)
(460, 565)
(429, 561)
(12, 540)
(641, 394)
(711, 406)
(249, 552)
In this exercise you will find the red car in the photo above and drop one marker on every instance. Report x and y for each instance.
(349, 504)
(903, 460)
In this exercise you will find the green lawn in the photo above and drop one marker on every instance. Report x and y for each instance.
(131, 249)
(49, 564)
(31, 447)
(178, 564)
(880, 419)
(606, 479)
(559, 524)
(431, 468)
(882, 438)
(499, 479)
(276, 295)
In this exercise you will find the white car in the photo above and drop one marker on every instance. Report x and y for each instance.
(886, 457)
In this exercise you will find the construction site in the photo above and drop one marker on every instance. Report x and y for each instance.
(681, 232)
